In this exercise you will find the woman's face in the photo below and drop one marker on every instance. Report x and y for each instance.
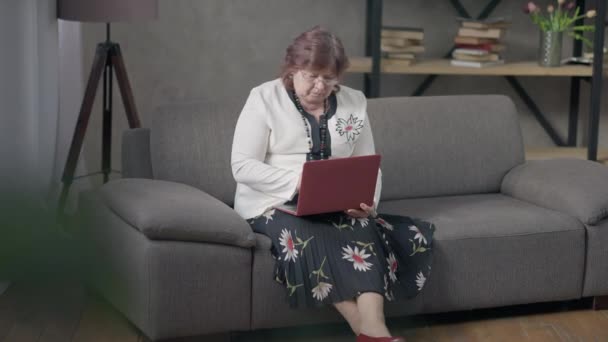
(313, 87)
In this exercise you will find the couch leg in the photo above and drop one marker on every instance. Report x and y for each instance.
(600, 303)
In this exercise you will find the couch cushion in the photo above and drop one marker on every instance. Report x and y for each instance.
(494, 250)
(190, 143)
(490, 250)
(164, 210)
(445, 145)
(482, 216)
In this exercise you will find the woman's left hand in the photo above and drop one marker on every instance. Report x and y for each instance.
(365, 211)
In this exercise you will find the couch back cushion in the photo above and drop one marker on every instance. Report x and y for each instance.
(430, 146)
(191, 143)
(445, 145)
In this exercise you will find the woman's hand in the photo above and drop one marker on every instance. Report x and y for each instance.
(364, 212)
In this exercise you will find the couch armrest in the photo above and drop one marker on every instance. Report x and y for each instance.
(573, 186)
(164, 210)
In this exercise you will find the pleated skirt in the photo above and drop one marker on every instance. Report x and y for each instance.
(330, 258)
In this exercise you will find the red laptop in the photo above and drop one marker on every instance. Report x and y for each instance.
(335, 185)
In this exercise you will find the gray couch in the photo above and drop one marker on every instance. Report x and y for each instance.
(169, 253)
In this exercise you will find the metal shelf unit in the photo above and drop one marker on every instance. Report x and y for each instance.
(592, 74)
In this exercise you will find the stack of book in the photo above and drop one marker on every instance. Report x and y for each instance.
(588, 56)
(478, 43)
(399, 46)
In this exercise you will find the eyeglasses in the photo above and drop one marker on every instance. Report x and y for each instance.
(314, 78)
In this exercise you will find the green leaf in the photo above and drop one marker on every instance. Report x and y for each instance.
(587, 28)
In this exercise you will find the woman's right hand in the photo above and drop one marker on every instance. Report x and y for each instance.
(365, 211)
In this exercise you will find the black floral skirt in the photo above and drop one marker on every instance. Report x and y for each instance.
(330, 258)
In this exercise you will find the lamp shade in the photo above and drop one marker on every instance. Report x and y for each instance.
(107, 10)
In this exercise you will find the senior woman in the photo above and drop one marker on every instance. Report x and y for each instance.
(353, 260)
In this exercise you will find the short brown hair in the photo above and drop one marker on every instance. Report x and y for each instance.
(315, 49)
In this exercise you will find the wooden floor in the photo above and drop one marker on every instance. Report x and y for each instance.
(62, 312)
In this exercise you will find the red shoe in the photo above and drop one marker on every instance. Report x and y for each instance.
(365, 338)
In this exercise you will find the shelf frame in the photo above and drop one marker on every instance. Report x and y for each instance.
(372, 78)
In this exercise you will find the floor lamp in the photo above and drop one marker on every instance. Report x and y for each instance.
(108, 60)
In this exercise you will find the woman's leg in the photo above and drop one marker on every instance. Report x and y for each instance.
(371, 311)
(350, 311)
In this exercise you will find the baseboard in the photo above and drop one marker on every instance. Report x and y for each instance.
(600, 303)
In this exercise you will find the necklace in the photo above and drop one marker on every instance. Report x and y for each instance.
(322, 130)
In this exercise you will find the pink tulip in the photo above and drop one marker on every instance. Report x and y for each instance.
(530, 7)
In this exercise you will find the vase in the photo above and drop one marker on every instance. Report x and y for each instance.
(550, 49)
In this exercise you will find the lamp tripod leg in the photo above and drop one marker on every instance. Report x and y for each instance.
(125, 88)
(108, 59)
(101, 57)
(106, 142)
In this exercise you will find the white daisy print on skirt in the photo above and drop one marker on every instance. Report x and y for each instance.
(363, 221)
(268, 215)
(392, 266)
(384, 224)
(357, 257)
(291, 253)
(420, 280)
(421, 239)
(388, 294)
(321, 291)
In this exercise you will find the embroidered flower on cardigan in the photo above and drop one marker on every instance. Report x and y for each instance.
(351, 127)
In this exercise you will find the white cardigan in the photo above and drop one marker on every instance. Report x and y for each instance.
(270, 145)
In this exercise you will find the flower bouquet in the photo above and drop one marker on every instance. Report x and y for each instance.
(564, 17)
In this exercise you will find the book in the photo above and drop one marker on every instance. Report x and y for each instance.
(485, 26)
(475, 58)
(406, 49)
(488, 23)
(486, 47)
(489, 33)
(402, 32)
(474, 64)
(474, 40)
(472, 52)
(399, 42)
(396, 55)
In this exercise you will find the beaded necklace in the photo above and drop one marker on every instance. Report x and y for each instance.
(322, 130)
